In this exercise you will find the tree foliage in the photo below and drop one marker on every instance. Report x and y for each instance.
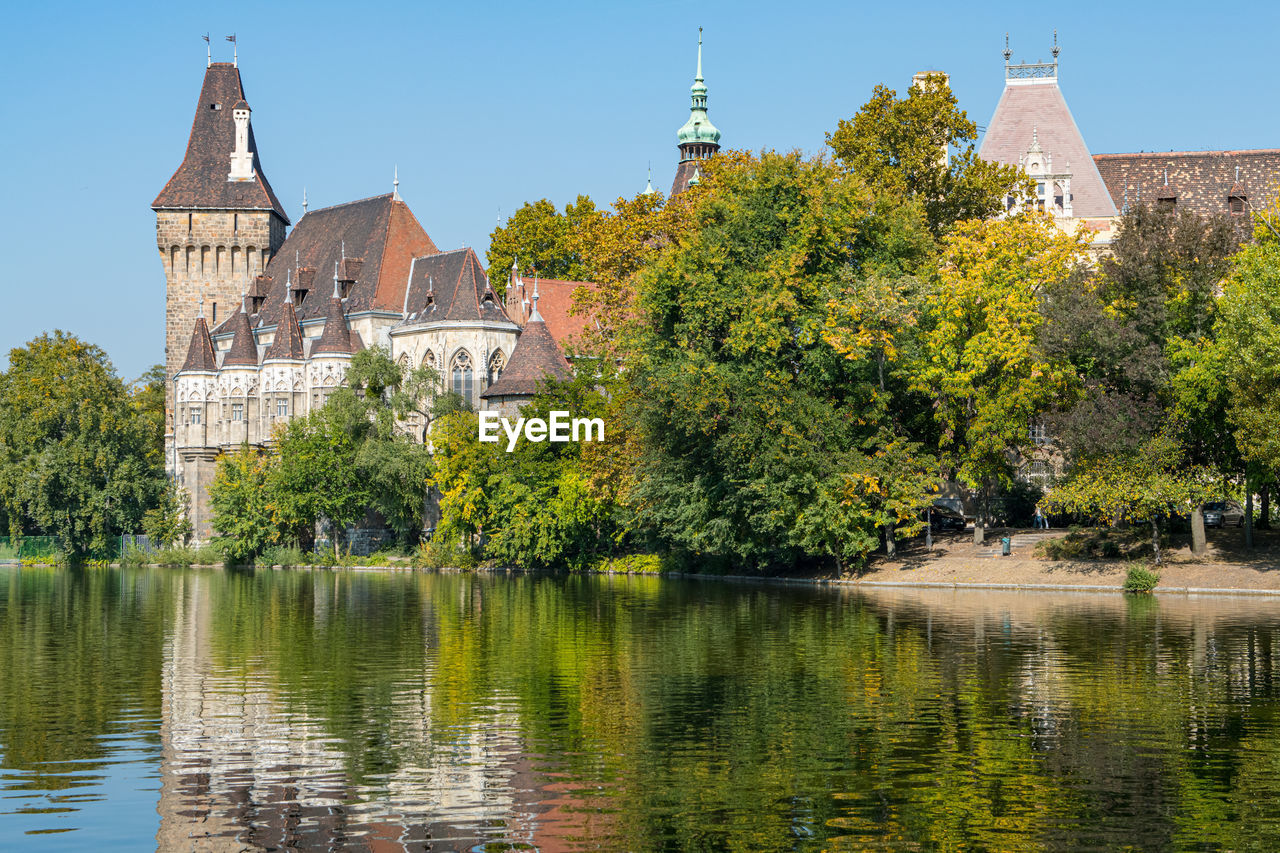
(78, 453)
(901, 147)
(541, 238)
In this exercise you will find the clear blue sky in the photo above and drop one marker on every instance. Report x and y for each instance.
(487, 105)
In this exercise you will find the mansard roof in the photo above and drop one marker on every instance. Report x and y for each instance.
(200, 355)
(1201, 181)
(451, 286)
(535, 358)
(244, 349)
(287, 343)
(201, 181)
(1035, 106)
(336, 337)
(379, 237)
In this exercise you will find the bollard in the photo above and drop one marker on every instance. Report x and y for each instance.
(1006, 546)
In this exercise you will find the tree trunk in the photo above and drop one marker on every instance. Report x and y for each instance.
(1155, 539)
(890, 547)
(1264, 511)
(1197, 532)
(978, 532)
(1248, 513)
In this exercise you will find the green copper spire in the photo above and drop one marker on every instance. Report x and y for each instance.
(698, 130)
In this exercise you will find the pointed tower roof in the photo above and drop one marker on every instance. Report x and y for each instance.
(535, 358)
(699, 127)
(201, 181)
(287, 343)
(1032, 109)
(244, 349)
(200, 355)
(336, 337)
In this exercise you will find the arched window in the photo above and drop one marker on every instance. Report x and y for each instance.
(462, 374)
(497, 363)
(429, 360)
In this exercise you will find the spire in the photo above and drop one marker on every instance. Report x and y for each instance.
(698, 138)
(304, 201)
(395, 184)
(698, 77)
(648, 185)
(337, 294)
(288, 287)
(200, 313)
(534, 316)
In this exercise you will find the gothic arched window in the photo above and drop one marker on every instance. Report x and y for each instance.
(497, 363)
(462, 374)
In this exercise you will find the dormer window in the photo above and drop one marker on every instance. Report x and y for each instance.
(215, 106)
(1237, 203)
(1169, 203)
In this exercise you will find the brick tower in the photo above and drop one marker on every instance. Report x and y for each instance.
(217, 221)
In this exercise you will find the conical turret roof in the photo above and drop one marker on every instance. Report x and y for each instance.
(200, 355)
(535, 359)
(288, 340)
(336, 337)
(244, 349)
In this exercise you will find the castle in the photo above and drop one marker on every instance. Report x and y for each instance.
(261, 322)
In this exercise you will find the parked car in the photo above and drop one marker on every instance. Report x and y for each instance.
(1223, 513)
(945, 518)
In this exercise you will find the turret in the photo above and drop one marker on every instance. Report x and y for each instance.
(699, 139)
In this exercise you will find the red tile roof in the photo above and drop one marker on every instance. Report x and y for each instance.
(201, 181)
(379, 236)
(555, 303)
(1038, 106)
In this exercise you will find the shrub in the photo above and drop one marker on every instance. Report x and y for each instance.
(632, 564)
(1140, 579)
(134, 556)
(285, 556)
(444, 555)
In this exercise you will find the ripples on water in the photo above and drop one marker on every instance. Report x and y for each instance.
(290, 710)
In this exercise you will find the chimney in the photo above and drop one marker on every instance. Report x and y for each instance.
(241, 156)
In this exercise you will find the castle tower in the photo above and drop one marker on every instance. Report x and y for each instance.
(699, 138)
(217, 221)
(1032, 128)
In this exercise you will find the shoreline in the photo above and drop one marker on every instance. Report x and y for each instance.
(1186, 579)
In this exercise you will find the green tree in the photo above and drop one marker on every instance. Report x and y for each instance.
(241, 504)
(1148, 486)
(77, 457)
(983, 363)
(759, 422)
(1248, 351)
(903, 147)
(314, 475)
(540, 238)
(168, 522)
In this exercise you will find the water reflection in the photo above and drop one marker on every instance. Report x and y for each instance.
(290, 710)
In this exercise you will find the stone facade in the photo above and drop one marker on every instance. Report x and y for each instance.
(212, 255)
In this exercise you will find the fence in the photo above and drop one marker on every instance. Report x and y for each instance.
(15, 548)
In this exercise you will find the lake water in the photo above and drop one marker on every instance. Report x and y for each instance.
(210, 710)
